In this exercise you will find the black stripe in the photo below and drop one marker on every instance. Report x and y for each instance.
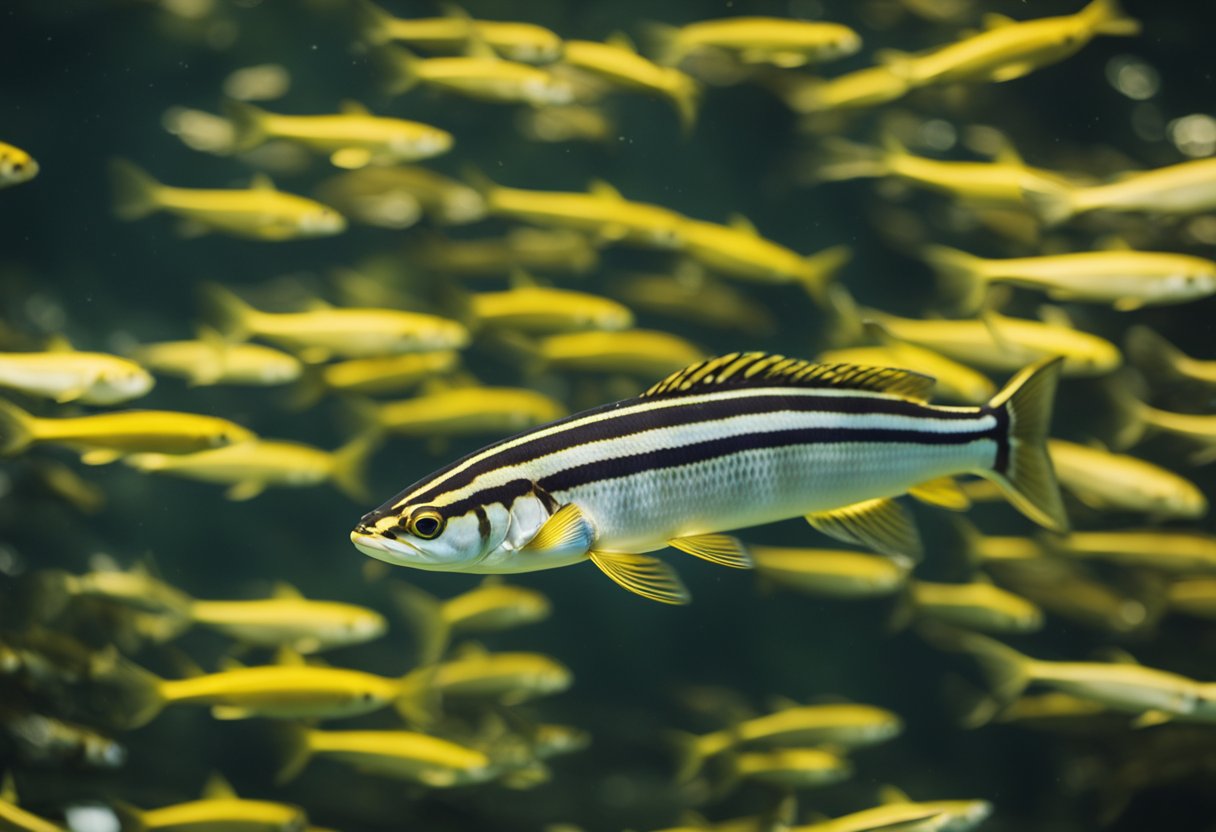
(631, 422)
(1001, 434)
(624, 466)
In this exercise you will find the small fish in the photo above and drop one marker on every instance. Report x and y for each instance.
(1116, 482)
(1170, 550)
(1193, 596)
(43, 740)
(517, 41)
(261, 212)
(790, 437)
(462, 411)
(737, 250)
(212, 360)
(1126, 280)
(320, 334)
(567, 123)
(374, 376)
(530, 249)
(16, 166)
(869, 87)
(690, 294)
(1163, 363)
(391, 197)
(136, 588)
(830, 573)
(1009, 49)
(899, 813)
(219, 809)
(261, 82)
(842, 726)
(65, 375)
(1185, 188)
(490, 608)
(790, 768)
(250, 467)
(978, 605)
(540, 310)
(777, 41)
(1067, 591)
(104, 437)
(353, 138)
(13, 816)
(479, 75)
(1139, 419)
(618, 62)
(601, 212)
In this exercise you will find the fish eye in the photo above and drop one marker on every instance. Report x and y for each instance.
(426, 523)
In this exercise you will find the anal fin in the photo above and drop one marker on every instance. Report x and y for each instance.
(721, 549)
(643, 575)
(943, 492)
(882, 525)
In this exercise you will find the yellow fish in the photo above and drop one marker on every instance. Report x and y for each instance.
(690, 294)
(567, 123)
(1124, 279)
(737, 250)
(1066, 590)
(479, 75)
(395, 197)
(16, 166)
(863, 88)
(540, 310)
(464, 411)
(1169, 550)
(13, 816)
(1010, 49)
(1162, 362)
(352, 138)
(518, 41)
(531, 249)
(978, 605)
(1196, 429)
(1184, 188)
(210, 360)
(248, 468)
(634, 352)
(258, 213)
(320, 334)
(104, 437)
(830, 573)
(219, 809)
(791, 768)
(779, 41)
(371, 376)
(1116, 482)
(899, 813)
(618, 62)
(69, 376)
(136, 588)
(1193, 596)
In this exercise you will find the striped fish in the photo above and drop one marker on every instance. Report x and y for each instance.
(730, 442)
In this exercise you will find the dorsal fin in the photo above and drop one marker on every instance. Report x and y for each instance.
(621, 41)
(351, 107)
(217, 787)
(262, 182)
(759, 369)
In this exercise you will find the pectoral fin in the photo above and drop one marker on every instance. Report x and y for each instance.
(230, 712)
(644, 575)
(942, 492)
(882, 525)
(1150, 718)
(246, 490)
(566, 529)
(721, 549)
(351, 158)
(1011, 72)
(99, 456)
(69, 395)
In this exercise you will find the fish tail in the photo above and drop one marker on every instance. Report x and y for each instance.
(232, 315)
(135, 191)
(18, 429)
(295, 750)
(308, 389)
(1129, 412)
(372, 22)
(1008, 671)
(1106, 17)
(50, 591)
(1051, 204)
(130, 818)
(142, 693)
(476, 179)
(1153, 354)
(248, 124)
(1023, 468)
(822, 267)
(686, 98)
(839, 160)
(349, 473)
(399, 68)
(960, 275)
(845, 326)
(690, 754)
(425, 615)
(664, 41)
(419, 702)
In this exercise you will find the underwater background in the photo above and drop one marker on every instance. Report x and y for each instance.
(84, 81)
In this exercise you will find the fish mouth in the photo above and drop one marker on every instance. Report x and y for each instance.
(381, 548)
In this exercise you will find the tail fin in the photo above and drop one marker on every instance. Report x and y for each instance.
(664, 42)
(1025, 473)
(399, 68)
(295, 751)
(478, 181)
(1008, 671)
(425, 615)
(130, 818)
(308, 389)
(845, 327)
(248, 125)
(1106, 17)
(420, 702)
(1052, 205)
(50, 591)
(690, 758)
(1157, 357)
(349, 472)
(1129, 411)
(232, 315)
(17, 429)
(141, 692)
(372, 22)
(822, 267)
(841, 159)
(686, 98)
(134, 190)
(960, 276)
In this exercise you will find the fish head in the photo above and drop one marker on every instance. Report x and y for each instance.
(548, 90)
(230, 434)
(429, 143)
(842, 44)
(16, 166)
(119, 384)
(321, 221)
(423, 537)
(1188, 285)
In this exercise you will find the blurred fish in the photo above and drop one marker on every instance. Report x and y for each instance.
(462, 411)
(136, 588)
(530, 249)
(13, 816)
(1124, 279)
(396, 197)
(1009, 49)
(540, 310)
(899, 813)
(567, 123)
(1163, 363)
(777, 818)
(1184, 188)
(978, 605)
(790, 768)
(219, 809)
(200, 130)
(16, 166)
(67, 485)
(372, 376)
(857, 90)
(1138, 419)
(260, 213)
(263, 82)
(250, 467)
(635, 352)
(353, 138)
(690, 294)
(538, 501)
(39, 739)
(737, 250)
(778, 41)
(1069, 592)
(65, 375)
(320, 334)
(518, 41)
(829, 572)
(1169, 550)
(840, 726)
(480, 74)
(1115, 482)
(601, 212)
(1193, 596)
(618, 62)
(104, 437)
(210, 359)
(491, 607)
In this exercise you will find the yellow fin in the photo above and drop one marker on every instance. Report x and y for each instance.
(58, 343)
(942, 492)
(567, 528)
(288, 657)
(891, 794)
(99, 456)
(353, 108)
(230, 712)
(759, 369)
(262, 182)
(217, 787)
(992, 20)
(882, 525)
(70, 395)
(246, 490)
(350, 158)
(742, 223)
(282, 589)
(644, 575)
(721, 549)
(621, 41)
(1150, 718)
(1011, 72)
(601, 188)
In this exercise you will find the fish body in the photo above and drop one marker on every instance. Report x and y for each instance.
(16, 166)
(259, 213)
(1118, 482)
(778, 41)
(104, 437)
(303, 624)
(385, 196)
(1198, 429)
(791, 768)
(899, 813)
(540, 310)
(12, 816)
(1172, 550)
(466, 411)
(1165, 363)
(477, 675)
(857, 90)
(976, 606)
(1184, 188)
(516, 40)
(482, 77)
(562, 251)
(617, 62)
(691, 295)
(634, 352)
(69, 376)
(388, 374)
(353, 138)
(1193, 596)
(403, 755)
(830, 573)
(491, 607)
(789, 437)
(224, 814)
(211, 360)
